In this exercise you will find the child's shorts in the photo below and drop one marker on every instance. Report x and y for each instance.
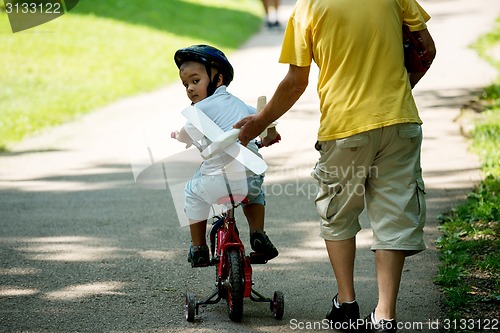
(381, 168)
(202, 191)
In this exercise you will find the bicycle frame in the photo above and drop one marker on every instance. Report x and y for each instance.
(223, 249)
(228, 238)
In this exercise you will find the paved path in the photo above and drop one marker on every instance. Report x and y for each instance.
(85, 250)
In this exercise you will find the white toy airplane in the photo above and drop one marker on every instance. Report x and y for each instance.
(154, 165)
(223, 141)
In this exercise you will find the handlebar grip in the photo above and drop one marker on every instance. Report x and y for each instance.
(261, 102)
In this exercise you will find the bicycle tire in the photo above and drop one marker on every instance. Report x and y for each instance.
(278, 305)
(236, 285)
(190, 307)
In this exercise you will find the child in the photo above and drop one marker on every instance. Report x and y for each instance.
(206, 72)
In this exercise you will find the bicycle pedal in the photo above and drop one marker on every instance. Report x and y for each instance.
(257, 258)
(205, 264)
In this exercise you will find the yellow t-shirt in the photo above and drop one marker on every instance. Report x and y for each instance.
(357, 45)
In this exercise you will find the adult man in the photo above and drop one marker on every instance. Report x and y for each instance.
(369, 121)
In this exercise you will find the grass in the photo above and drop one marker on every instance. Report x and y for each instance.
(470, 252)
(469, 272)
(104, 50)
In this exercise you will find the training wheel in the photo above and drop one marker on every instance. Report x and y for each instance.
(190, 307)
(278, 305)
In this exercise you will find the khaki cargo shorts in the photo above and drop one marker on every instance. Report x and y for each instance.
(379, 169)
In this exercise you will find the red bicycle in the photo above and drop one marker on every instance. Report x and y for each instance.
(233, 278)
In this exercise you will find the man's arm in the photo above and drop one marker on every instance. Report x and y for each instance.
(429, 46)
(288, 92)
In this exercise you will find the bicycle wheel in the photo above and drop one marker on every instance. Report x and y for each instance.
(235, 286)
(278, 305)
(190, 307)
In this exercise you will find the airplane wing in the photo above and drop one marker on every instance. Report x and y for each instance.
(201, 121)
(246, 157)
(221, 141)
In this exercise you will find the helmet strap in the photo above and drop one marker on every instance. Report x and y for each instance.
(212, 86)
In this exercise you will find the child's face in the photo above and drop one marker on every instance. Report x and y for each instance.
(195, 78)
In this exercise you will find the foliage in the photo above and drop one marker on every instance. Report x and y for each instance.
(470, 245)
(104, 50)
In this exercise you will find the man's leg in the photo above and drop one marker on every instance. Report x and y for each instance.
(265, 3)
(342, 254)
(389, 268)
(400, 211)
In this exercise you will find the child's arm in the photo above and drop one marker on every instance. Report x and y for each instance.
(182, 136)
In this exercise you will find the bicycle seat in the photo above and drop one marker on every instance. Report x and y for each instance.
(230, 199)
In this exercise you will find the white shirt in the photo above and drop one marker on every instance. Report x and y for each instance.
(225, 110)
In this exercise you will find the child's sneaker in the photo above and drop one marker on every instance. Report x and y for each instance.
(261, 244)
(344, 317)
(199, 256)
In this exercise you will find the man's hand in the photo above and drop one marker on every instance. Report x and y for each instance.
(251, 127)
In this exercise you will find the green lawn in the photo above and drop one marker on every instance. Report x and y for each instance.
(103, 50)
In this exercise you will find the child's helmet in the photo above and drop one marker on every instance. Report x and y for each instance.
(208, 56)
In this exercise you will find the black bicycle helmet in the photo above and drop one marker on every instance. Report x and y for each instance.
(208, 56)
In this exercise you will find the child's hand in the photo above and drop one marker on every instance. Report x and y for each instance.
(176, 135)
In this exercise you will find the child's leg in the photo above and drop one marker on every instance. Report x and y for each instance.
(255, 209)
(255, 216)
(198, 230)
(198, 254)
(259, 241)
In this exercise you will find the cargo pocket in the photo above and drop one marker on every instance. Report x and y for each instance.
(410, 131)
(329, 188)
(324, 146)
(421, 198)
(353, 142)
